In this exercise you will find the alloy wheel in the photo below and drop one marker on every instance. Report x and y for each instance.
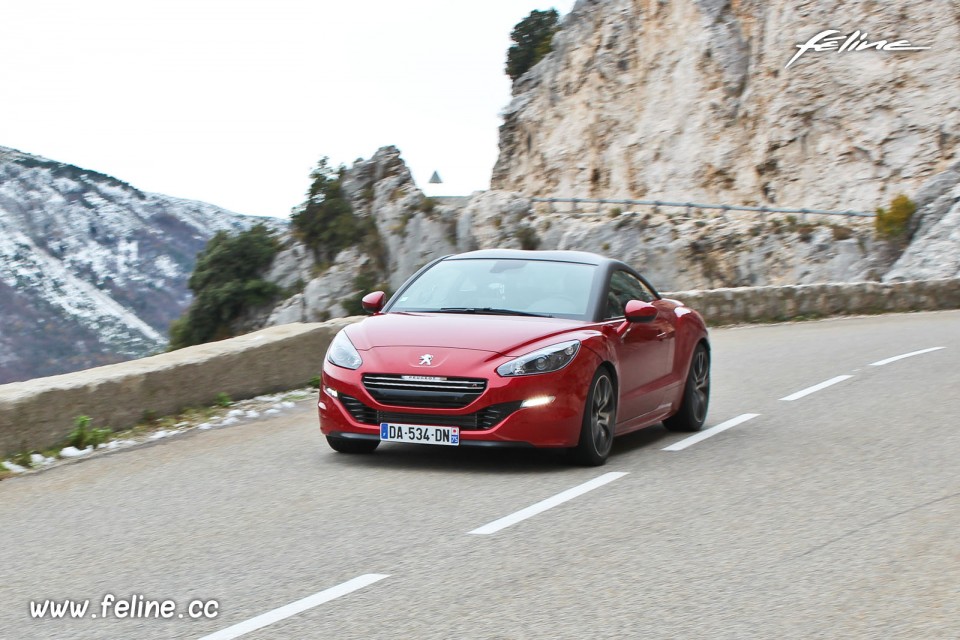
(602, 414)
(701, 384)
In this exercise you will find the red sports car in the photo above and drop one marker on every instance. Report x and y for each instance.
(516, 348)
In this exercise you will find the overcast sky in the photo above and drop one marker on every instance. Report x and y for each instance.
(234, 101)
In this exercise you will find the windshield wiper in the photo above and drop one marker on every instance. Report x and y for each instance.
(491, 311)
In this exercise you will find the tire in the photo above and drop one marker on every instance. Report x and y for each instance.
(352, 445)
(599, 421)
(696, 394)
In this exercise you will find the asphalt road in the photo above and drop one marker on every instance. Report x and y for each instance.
(835, 515)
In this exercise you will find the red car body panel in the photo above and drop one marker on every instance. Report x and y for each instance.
(650, 361)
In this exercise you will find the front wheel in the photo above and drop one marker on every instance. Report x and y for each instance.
(352, 445)
(696, 395)
(599, 421)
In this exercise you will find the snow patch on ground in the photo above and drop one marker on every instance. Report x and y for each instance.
(73, 452)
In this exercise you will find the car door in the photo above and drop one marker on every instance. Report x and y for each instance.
(644, 352)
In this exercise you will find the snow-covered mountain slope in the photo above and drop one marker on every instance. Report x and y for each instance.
(92, 270)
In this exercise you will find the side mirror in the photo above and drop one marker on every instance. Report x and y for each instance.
(638, 311)
(373, 302)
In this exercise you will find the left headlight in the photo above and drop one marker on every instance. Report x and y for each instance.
(342, 353)
(552, 358)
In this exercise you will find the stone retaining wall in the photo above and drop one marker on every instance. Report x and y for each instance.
(39, 413)
(771, 304)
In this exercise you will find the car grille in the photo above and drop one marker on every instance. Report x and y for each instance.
(485, 418)
(359, 411)
(426, 392)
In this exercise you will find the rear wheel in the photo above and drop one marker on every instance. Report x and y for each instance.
(696, 395)
(352, 445)
(599, 420)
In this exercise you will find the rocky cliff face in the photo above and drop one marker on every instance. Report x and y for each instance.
(92, 270)
(677, 251)
(690, 100)
(935, 249)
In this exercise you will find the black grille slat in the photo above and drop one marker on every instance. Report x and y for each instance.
(359, 411)
(434, 393)
(468, 421)
(495, 414)
(485, 418)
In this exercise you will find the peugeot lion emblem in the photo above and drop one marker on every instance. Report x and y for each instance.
(426, 359)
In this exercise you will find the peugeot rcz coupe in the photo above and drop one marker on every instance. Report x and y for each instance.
(559, 349)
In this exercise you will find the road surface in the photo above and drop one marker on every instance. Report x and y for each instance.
(826, 505)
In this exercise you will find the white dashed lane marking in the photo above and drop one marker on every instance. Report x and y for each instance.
(880, 363)
(549, 503)
(815, 388)
(712, 431)
(294, 608)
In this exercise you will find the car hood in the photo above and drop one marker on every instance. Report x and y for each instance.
(505, 335)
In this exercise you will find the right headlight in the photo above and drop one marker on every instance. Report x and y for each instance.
(552, 358)
(342, 353)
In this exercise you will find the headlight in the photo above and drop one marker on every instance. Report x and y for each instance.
(552, 358)
(342, 352)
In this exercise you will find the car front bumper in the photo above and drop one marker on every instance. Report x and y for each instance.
(348, 410)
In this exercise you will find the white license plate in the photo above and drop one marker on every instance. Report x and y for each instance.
(419, 434)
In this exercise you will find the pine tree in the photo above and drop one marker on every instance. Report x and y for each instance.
(533, 37)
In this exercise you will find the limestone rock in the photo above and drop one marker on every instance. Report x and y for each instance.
(934, 251)
(690, 100)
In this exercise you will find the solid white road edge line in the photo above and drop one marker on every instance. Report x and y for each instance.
(815, 388)
(712, 431)
(549, 503)
(880, 363)
(294, 608)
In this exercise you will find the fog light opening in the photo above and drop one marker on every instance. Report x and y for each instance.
(537, 401)
(331, 392)
(322, 406)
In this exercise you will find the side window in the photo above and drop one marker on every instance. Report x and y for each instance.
(624, 288)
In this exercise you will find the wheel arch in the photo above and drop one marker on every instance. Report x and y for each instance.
(614, 377)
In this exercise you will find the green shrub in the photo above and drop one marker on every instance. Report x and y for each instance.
(529, 239)
(325, 222)
(532, 39)
(223, 399)
(226, 282)
(841, 232)
(315, 382)
(894, 222)
(23, 459)
(83, 436)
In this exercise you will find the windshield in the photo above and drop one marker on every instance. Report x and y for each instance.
(508, 287)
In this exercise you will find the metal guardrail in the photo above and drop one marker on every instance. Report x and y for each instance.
(694, 205)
